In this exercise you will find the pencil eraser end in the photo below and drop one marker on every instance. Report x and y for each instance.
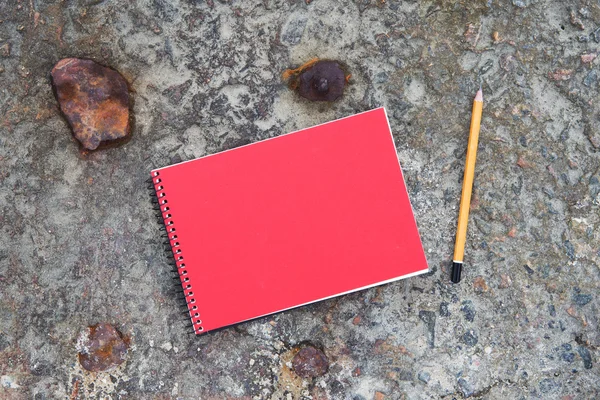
(456, 271)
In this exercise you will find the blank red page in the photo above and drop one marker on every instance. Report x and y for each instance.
(290, 220)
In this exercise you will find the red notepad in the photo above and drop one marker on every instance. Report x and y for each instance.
(289, 221)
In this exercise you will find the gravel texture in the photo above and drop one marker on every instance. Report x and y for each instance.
(79, 243)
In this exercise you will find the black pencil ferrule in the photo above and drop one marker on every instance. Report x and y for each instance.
(456, 271)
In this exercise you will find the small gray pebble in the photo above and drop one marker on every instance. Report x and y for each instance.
(465, 387)
(294, 29)
(582, 299)
(549, 386)
(444, 312)
(470, 338)
(586, 356)
(591, 79)
(381, 77)
(468, 310)
(568, 357)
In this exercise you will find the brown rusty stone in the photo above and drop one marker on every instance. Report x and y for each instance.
(101, 348)
(310, 362)
(94, 99)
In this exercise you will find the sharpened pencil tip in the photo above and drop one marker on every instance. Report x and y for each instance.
(479, 95)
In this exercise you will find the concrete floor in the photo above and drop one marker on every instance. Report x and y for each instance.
(79, 243)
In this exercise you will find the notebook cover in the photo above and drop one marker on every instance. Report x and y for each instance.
(289, 221)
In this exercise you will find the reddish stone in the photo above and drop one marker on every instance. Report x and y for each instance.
(479, 284)
(576, 21)
(472, 34)
(522, 163)
(101, 348)
(310, 362)
(379, 396)
(5, 49)
(505, 281)
(94, 99)
(588, 58)
(560, 75)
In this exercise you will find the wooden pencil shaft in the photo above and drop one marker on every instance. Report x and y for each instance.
(467, 187)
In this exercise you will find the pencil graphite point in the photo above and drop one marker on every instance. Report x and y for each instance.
(479, 95)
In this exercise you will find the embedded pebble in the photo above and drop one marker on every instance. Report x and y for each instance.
(381, 77)
(480, 285)
(470, 338)
(560, 74)
(588, 58)
(444, 312)
(424, 376)
(8, 382)
(429, 318)
(294, 29)
(585, 356)
(505, 281)
(568, 356)
(549, 386)
(5, 49)
(468, 310)
(465, 387)
(591, 79)
(582, 299)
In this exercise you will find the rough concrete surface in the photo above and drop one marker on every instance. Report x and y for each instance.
(79, 244)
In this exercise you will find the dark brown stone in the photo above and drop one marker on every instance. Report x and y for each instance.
(318, 80)
(325, 81)
(94, 99)
(310, 362)
(102, 348)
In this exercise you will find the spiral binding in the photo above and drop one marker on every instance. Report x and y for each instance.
(174, 252)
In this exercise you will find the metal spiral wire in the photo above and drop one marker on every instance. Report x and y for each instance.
(183, 287)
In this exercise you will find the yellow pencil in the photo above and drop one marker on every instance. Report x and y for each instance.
(465, 198)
